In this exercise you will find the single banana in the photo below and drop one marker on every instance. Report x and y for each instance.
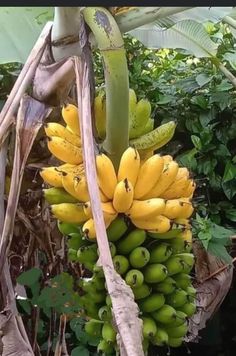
(167, 177)
(68, 212)
(129, 166)
(189, 191)
(148, 176)
(155, 138)
(107, 209)
(140, 118)
(65, 151)
(107, 179)
(89, 226)
(58, 195)
(167, 158)
(55, 129)
(81, 188)
(186, 208)
(145, 209)
(52, 176)
(173, 209)
(148, 127)
(123, 196)
(68, 184)
(178, 187)
(100, 114)
(70, 115)
(159, 224)
(75, 169)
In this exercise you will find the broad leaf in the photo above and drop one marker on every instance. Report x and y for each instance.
(220, 251)
(188, 34)
(19, 30)
(29, 277)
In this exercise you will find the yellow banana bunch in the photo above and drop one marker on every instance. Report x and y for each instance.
(70, 115)
(64, 150)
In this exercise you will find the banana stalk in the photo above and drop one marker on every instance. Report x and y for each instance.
(111, 45)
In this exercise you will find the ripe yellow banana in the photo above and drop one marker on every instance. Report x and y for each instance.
(187, 236)
(70, 115)
(158, 223)
(176, 189)
(107, 179)
(129, 166)
(173, 209)
(167, 158)
(167, 177)
(65, 151)
(107, 209)
(123, 196)
(186, 208)
(148, 176)
(87, 209)
(81, 188)
(184, 222)
(103, 197)
(69, 212)
(89, 226)
(100, 114)
(68, 185)
(52, 176)
(145, 209)
(189, 191)
(75, 169)
(55, 129)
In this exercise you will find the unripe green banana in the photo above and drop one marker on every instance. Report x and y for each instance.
(183, 280)
(149, 327)
(160, 338)
(191, 294)
(105, 348)
(165, 315)
(97, 296)
(142, 292)
(121, 264)
(177, 298)
(72, 255)
(145, 344)
(104, 313)
(76, 240)
(174, 265)
(155, 273)
(175, 341)
(57, 196)
(139, 120)
(178, 331)
(98, 282)
(67, 228)
(188, 308)
(139, 257)
(134, 278)
(148, 127)
(156, 138)
(116, 229)
(108, 332)
(166, 287)
(152, 302)
(112, 249)
(177, 245)
(93, 327)
(87, 254)
(108, 301)
(188, 259)
(180, 318)
(87, 285)
(160, 253)
(98, 271)
(134, 239)
(165, 236)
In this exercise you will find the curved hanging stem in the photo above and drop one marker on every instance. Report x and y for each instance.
(111, 45)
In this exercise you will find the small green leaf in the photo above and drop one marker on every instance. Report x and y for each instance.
(225, 85)
(200, 101)
(80, 350)
(220, 251)
(25, 305)
(29, 277)
(196, 141)
(231, 214)
(230, 172)
(202, 79)
(165, 99)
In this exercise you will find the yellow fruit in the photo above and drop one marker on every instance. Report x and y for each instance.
(89, 229)
(148, 176)
(184, 222)
(123, 196)
(108, 208)
(55, 129)
(186, 208)
(52, 176)
(100, 114)
(103, 197)
(65, 151)
(81, 188)
(167, 177)
(129, 166)
(70, 115)
(143, 209)
(173, 209)
(68, 185)
(107, 179)
(167, 158)
(157, 223)
(189, 191)
(87, 209)
(69, 212)
(178, 187)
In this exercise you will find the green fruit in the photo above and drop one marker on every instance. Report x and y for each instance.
(149, 327)
(191, 293)
(152, 302)
(167, 235)
(155, 273)
(108, 332)
(99, 282)
(174, 265)
(165, 315)
(87, 254)
(142, 292)
(180, 319)
(165, 287)
(66, 228)
(112, 249)
(139, 257)
(72, 255)
(121, 264)
(98, 271)
(178, 331)
(175, 342)
(93, 327)
(87, 285)
(160, 253)
(105, 347)
(134, 278)
(188, 308)
(104, 313)
(183, 280)
(116, 229)
(57, 196)
(145, 344)
(75, 240)
(148, 127)
(188, 261)
(128, 243)
(177, 298)
(96, 297)
(160, 338)
(177, 244)
(108, 301)
(88, 265)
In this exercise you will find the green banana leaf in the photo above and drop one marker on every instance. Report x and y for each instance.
(19, 30)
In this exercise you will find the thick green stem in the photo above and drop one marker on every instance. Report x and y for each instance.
(111, 45)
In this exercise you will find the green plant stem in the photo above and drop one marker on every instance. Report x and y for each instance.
(111, 45)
